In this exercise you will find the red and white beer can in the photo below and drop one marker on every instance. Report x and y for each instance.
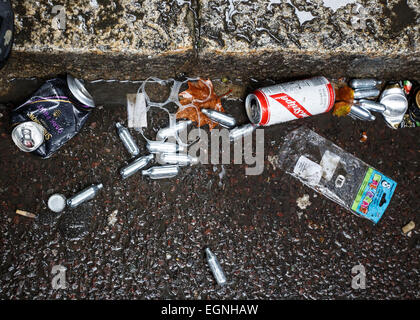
(290, 101)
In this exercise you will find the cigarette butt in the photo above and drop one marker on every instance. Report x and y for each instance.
(25, 213)
(408, 227)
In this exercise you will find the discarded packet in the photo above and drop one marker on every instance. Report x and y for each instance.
(61, 106)
(336, 174)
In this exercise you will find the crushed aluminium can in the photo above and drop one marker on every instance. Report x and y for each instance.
(411, 118)
(61, 106)
(28, 136)
(396, 104)
(290, 101)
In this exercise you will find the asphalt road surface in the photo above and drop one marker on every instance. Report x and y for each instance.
(145, 239)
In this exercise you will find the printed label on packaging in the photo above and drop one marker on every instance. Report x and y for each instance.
(374, 195)
(329, 163)
(308, 170)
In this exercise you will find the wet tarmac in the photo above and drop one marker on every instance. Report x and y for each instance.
(145, 239)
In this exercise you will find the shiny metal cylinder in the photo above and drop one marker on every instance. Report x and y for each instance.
(127, 140)
(180, 159)
(162, 172)
(396, 104)
(215, 268)
(163, 147)
(364, 83)
(135, 166)
(172, 131)
(225, 120)
(361, 113)
(84, 195)
(371, 105)
(28, 136)
(241, 131)
(366, 93)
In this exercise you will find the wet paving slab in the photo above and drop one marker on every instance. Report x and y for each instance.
(145, 239)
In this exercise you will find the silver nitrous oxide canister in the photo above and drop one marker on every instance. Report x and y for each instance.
(163, 147)
(215, 267)
(364, 83)
(163, 172)
(135, 166)
(371, 105)
(172, 131)
(241, 131)
(127, 140)
(225, 120)
(84, 195)
(180, 159)
(361, 113)
(366, 93)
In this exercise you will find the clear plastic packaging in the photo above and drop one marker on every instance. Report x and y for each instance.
(336, 174)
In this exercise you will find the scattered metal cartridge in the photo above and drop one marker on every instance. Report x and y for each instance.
(180, 159)
(366, 93)
(127, 140)
(241, 131)
(215, 267)
(171, 131)
(371, 105)
(163, 147)
(361, 113)
(225, 120)
(85, 195)
(364, 83)
(162, 172)
(135, 166)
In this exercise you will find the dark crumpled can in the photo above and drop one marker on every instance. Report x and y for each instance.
(61, 106)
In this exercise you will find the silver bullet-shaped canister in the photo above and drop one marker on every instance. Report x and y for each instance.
(366, 93)
(361, 113)
(127, 140)
(371, 105)
(84, 195)
(135, 166)
(364, 83)
(215, 267)
(180, 159)
(163, 147)
(225, 120)
(162, 172)
(241, 131)
(172, 131)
